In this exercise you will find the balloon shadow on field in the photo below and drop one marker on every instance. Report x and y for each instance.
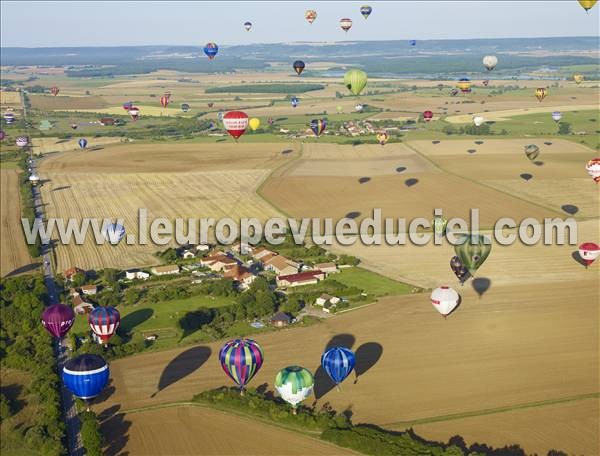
(182, 365)
(577, 257)
(570, 209)
(364, 180)
(435, 142)
(400, 169)
(287, 151)
(479, 142)
(411, 182)
(548, 143)
(471, 151)
(107, 392)
(526, 176)
(115, 431)
(538, 163)
(367, 355)
(481, 285)
(136, 318)
(27, 268)
(352, 215)
(323, 383)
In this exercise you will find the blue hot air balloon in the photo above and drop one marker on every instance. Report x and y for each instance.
(85, 375)
(413, 42)
(82, 143)
(365, 10)
(294, 101)
(211, 50)
(338, 362)
(113, 233)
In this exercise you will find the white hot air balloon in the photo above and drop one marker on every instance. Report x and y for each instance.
(445, 300)
(490, 62)
(113, 233)
(34, 179)
(556, 116)
(358, 107)
(478, 121)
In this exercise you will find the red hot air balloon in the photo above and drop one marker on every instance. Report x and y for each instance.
(164, 101)
(236, 123)
(589, 251)
(58, 319)
(104, 322)
(54, 90)
(427, 115)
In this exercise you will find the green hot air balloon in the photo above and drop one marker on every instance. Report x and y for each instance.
(439, 225)
(472, 250)
(355, 81)
(294, 384)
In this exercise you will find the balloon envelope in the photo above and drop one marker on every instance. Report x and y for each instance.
(444, 300)
(413, 42)
(294, 384)
(241, 359)
(427, 115)
(247, 25)
(211, 50)
(298, 66)
(490, 62)
(593, 169)
(54, 91)
(346, 24)
(22, 141)
(478, 121)
(254, 123)
(236, 123)
(532, 151)
(464, 84)
(185, 107)
(473, 250)
(113, 233)
(366, 10)
(459, 269)
(2, 135)
(556, 116)
(104, 322)
(82, 143)
(541, 93)
(382, 137)
(589, 251)
(578, 78)
(58, 319)
(85, 375)
(318, 126)
(164, 101)
(439, 225)
(355, 80)
(338, 362)
(310, 16)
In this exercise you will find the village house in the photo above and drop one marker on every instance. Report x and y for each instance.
(222, 263)
(280, 265)
(321, 300)
(241, 275)
(73, 292)
(80, 306)
(202, 248)
(242, 247)
(299, 279)
(136, 274)
(281, 319)
(69, 273)
(329, 307)
(327, 268)
(188, 254)
(107, 121)
(89, 289)
(261, 252)
(165, 270)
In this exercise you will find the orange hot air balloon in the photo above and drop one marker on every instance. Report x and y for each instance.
(541, 93)
(164, 101)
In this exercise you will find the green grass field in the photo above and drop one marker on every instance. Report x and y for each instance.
(373, 284)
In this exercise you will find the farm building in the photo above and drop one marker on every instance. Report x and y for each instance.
(69, 273)
(89, 289)
(299, 279)
(165, 270)
(80, 306)
(241, 275)
(321, 300)
(280, 265)
(328, 268)
(202, 248)
(261, 252)
(134, 274)
(188, 254)
(242, 247)
(107, 121)
(281, 319)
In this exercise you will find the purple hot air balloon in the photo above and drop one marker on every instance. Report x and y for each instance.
(58, 319)
(2, 135)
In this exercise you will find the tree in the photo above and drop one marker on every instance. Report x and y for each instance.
(109, 275)
(5, 408)
(564, 128)
(78, 279)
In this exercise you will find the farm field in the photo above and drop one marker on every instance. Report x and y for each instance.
(161, 432)
(474, 348)
(15, 257)
(53, 145)
(502, 115)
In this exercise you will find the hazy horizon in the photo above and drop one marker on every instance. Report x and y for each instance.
(130, 23)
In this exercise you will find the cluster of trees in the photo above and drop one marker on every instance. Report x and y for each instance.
(27, 207)
(26, 346)
(482, 130)
(90, 433)
(266, 88)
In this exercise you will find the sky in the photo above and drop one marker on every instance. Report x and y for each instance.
(121, 23)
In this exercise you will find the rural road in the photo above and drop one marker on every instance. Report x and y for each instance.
(75, 445)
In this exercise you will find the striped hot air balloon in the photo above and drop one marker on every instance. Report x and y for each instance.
(86, 375)
(54, 90)
(366, 10)
(104, 322)
(541, 93)
(113, 233)
(164, 101)
(345, 24)
(444, 300)
(9, 117)
(532, 151)
(241, 359)
(82, 143)
(355, 80)
(318, 126)
(22, 141)
(211, 50)
(556, 116)
(589, 251)
(294, 102)
(464, 84)
(248, 25)
(593, 169)
(310, 16)
(57, 319)
(294, 384)
(338, 362)
(459, 269)
(236, 123)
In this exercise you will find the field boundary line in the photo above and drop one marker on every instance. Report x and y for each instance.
(493, 411)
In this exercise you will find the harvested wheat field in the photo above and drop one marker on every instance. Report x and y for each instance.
(53, 145)
(193, 430)
(64, 103)
(185, 180)
(10, 99)
(15, 257)
(440, 366)
(501, 115)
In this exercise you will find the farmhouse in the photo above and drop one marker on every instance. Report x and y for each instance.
(242, 247)
(89, 289)
(241, 275)
(134, 274)
(165, 270)
(107, 121)
(261, 252)
(321, 300)
(80, 306)
(299, 279)
(280, 265)
(188, 254)
(222, 263)
(281, 319)
(69, 273)
(202, 248)
(328, 268)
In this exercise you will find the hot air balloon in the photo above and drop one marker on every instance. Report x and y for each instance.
(58, 319)
(318, 126)
(298, 67)
(444, 300)
(9, 117)
(294, 101)
(486, 82)
(589, 251)
(254, 123)
(464, 84)
(185, 107)
(593, 169)
(413, 42)
(541, 93)
(241, 359)
(235, 122)
(587, 4)
(366, 10)
(247, 25)
(439, 225)
(294, 384)
(134, 113)
(490, 62)
(211, 50)
(346, 24)
(478, 121)
(54, 90)
(34, 179)
(454, 92)
(74, 126)
(355, 80)
(339, 109)
(104, 322)
(22, 141)
(427, 116)
(578, 78)
(113, 233)
(164, 101)
(127, 105)
(85, 375)
(82, 143)
(338, 362)
(310, 16)
(270, 121)
(532, 151)
(556, 116)
(459, 269)
(473, 250)
(358, 107)
(382, 137)
(2, 135)
(210, 104)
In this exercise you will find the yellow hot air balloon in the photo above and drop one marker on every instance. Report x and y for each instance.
(541, 93)
(578, 78)
(382, 137)
(254, 123)
(587, 4)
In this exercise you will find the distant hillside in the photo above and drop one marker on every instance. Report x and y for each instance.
(428, 58)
